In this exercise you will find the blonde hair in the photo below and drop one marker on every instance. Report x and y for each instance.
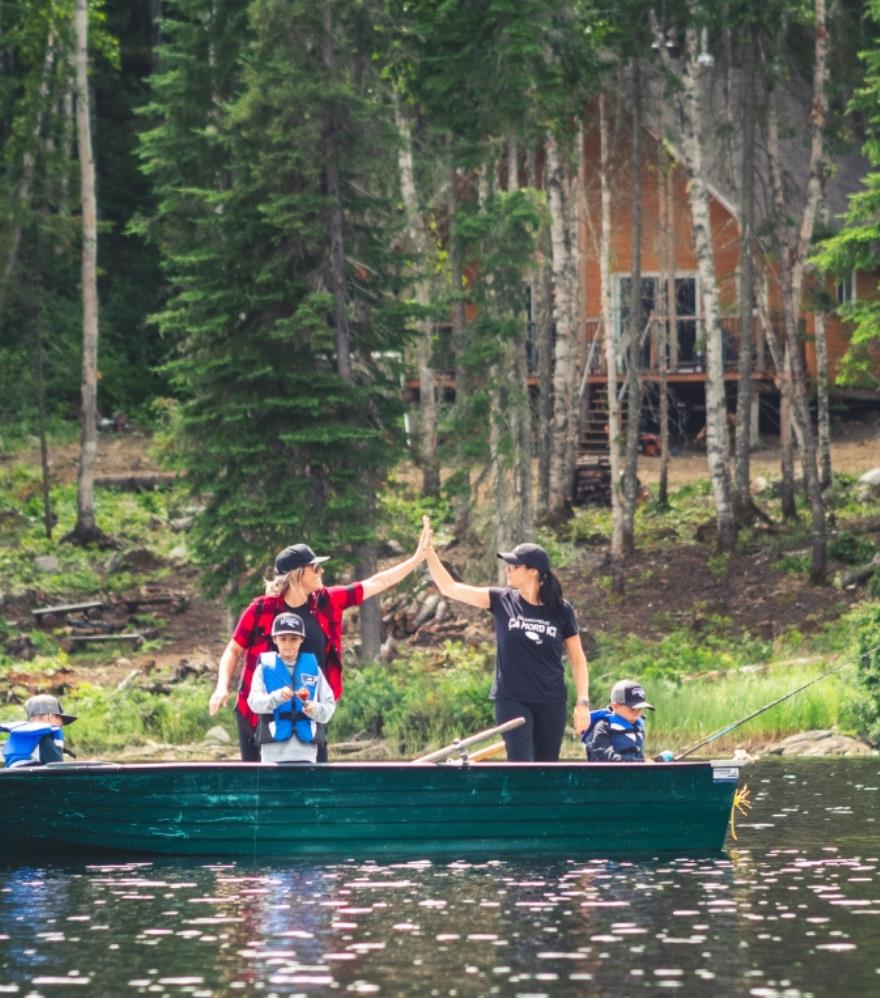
(279, 585)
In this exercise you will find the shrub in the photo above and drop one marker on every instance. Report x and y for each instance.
(868, 671)
(851, 550)
(419, 700)
(109, 720)
(679, 653)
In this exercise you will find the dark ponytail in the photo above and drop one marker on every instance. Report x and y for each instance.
(550, 594)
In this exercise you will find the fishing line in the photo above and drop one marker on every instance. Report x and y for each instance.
(773, 703)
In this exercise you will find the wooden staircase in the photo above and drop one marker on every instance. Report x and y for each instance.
(592, 477)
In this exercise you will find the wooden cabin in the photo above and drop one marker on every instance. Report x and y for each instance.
(670, 282)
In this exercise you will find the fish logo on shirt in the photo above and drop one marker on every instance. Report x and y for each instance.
(532, 636)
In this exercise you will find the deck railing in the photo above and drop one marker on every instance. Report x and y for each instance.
(685, 349)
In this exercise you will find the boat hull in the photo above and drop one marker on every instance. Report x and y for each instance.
(366, 809)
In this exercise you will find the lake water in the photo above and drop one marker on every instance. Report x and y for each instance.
(791, 909)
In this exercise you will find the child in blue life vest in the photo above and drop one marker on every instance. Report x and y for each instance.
(39, 739)
(291, 695)
(618, 733)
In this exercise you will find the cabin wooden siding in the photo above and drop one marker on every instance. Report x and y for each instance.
(725, 242)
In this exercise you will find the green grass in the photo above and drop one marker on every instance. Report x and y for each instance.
(110, 720)
(690, 711)
(133, 521)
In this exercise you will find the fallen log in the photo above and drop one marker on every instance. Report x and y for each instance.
(66, 608)
(860, 574)
(138, 481)
(84, 638)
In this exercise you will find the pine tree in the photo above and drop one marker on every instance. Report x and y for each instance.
(280, 441)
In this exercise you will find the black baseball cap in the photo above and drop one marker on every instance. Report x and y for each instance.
(532, 555)
(45, 703)
(297, 556)
(630, 694)
(288, 623)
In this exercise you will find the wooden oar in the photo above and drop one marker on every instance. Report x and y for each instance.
(463, 743)
(496, 748)
(466, 758)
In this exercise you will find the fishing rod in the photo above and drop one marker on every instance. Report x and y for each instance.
(760, 710)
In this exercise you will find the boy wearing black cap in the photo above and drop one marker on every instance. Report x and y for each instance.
(619, 735)
(291, 696)
(39, 739)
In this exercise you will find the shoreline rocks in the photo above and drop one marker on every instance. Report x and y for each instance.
(823, 742)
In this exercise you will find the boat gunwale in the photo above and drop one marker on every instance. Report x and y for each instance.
(372, 765)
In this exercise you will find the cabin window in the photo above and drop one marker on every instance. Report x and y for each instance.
(846, 289)
(685, 351)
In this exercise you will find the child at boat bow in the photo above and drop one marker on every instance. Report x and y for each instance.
(290, 694)
(38, 740)
(617, 734)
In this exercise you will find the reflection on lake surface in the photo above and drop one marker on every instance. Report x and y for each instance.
(792, 909)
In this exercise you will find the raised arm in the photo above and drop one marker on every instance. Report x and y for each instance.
(472, 595)
(381, 581)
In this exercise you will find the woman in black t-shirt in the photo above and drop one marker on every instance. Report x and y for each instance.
(534, 626)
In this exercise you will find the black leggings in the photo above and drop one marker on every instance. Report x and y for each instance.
(540, 738)
(250, 750)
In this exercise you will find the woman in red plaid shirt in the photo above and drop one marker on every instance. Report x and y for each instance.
(298, 587)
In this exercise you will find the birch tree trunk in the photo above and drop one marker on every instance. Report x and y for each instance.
(459, 334)
(543, 339)
(85, 530)
(41, 412)
(574, 273)
(824, 412)
(782, 380)
(717, 441)
(634, 332)
(779, 350)
(68, 130)
(746, 289)
(560, 471)
(666, 320)
(522, 430)
(793, 261)
(420, 244)
(612, 344)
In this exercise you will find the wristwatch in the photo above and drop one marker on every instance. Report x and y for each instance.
(583, 702)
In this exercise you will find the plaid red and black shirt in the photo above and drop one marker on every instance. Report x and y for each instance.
(254, 633)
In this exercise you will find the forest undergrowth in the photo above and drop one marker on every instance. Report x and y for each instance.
(713, 637)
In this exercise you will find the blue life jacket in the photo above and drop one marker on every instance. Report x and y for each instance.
(595, 717)
(627, 738)
(289, 717)
(22, 746)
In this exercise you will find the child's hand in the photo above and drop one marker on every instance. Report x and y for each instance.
(286, 694)
(309, 708)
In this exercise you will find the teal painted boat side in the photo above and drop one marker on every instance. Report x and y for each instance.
(367, 809)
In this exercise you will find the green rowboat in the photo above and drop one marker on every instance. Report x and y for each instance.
(342, 810)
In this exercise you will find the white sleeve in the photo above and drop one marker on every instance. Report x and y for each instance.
(325, 702)
(259, 701)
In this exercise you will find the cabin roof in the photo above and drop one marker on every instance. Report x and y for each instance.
(722, 93)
